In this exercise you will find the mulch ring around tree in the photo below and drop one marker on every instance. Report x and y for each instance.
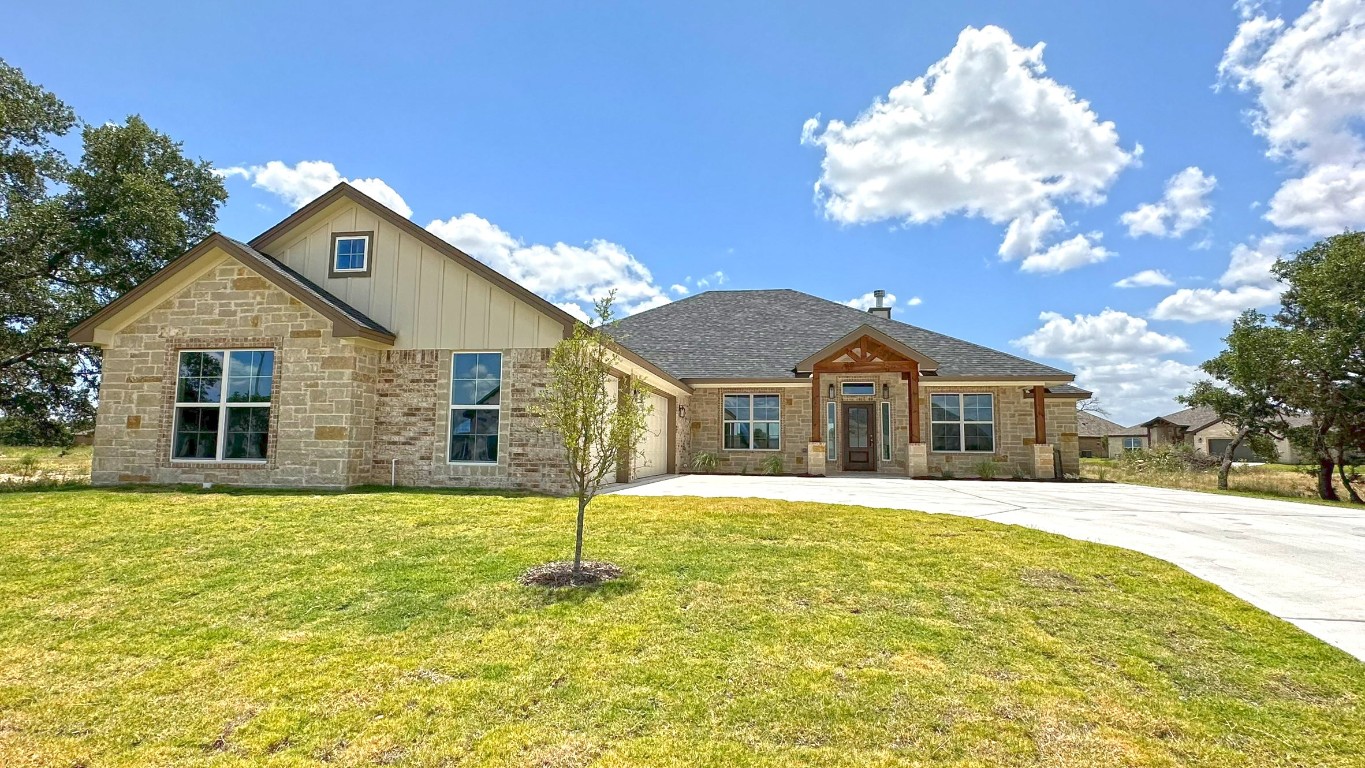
(560, 574)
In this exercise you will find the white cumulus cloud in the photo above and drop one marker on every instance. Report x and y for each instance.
(1145, 279)
(1308, 81)
(1068, 254)
(1198, 305)
(1182, 207)
(563, 273)
(983, 133)
(1118, 357)
(299, 184)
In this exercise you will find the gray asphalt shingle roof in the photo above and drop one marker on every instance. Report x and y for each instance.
(764, 334)
(1091, 425)
(283, 272)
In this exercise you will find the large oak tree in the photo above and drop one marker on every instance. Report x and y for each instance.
(73, 235)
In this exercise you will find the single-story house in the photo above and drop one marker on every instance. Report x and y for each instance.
(347, 345)
(1201, 428)
(1101, 438)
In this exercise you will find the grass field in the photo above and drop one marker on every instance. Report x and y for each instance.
(1270, 481)
(22, 464)
(387, 628)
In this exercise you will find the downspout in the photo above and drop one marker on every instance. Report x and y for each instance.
(393, 472)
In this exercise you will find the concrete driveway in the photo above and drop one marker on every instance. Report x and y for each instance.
(1302, 562)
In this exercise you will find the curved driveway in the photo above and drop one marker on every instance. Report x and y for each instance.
(1302, 562)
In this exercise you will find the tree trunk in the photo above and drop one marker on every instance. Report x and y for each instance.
(1325, 490)
(578, 542)
(1346, 481)
(1226, 465)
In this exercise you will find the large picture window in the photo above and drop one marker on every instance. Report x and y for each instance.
(962, 423)
(752, 423)
(475, 396)
(222, 405)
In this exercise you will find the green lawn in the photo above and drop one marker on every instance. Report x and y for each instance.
(165, 628)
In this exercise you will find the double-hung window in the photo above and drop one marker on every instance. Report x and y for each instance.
(222, 405)
(1132, 443)
(752, 423)
(351, 254)
(962, 423)
(475, 394)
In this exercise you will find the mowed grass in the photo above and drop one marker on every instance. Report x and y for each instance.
(387, 628)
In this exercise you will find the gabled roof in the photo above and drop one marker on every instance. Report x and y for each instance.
(767, 334)
(1192, 419)
(345, 191)
(347, 321)
(926, 363)
(1091, 425)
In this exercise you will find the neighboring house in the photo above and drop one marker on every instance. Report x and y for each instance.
(346, 345)
(1102, 438)
(1201, 428)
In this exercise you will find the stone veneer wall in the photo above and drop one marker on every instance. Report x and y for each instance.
(413, 414)
(322, 399)
(1013, 418)
(704, 429)
(1014, 434)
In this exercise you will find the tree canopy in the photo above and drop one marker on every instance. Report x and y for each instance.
(76, 234)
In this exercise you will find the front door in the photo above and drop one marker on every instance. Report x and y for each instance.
(859, 427)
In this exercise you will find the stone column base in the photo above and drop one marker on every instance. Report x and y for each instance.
(815, 458)
(1042, 462)
(919, 460)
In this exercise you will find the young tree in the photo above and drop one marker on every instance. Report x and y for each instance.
(75, 235)
(1323, 309)
(598, 431)
(1247, 392)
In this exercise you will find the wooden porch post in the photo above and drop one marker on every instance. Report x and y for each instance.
(1039, 416)
(816, 418)
(912, 382)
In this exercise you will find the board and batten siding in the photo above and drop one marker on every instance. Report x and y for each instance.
(427, 299)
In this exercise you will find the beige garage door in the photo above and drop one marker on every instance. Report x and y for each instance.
(654, 460)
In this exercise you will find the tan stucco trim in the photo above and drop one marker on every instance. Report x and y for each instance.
(343, 190)
(926, 363)
(99, 327)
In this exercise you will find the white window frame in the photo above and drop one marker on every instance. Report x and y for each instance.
(781, 434)
(335, 255)
(831, 427)
(962, 422)
(843, 388)
(1137, 443)
(222, 405)
(885, 435)
(450, 402)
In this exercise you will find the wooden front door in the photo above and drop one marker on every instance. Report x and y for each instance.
(859, 427)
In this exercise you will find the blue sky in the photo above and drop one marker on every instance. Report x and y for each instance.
(667, 148)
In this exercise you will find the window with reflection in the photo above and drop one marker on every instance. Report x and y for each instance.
(475, 406)
(962, 423)
(752, 423)
(222, 405)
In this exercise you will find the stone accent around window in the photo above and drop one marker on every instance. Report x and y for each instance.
(231, 306)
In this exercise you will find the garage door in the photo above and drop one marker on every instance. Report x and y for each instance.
(654, 460)
(1243, 452)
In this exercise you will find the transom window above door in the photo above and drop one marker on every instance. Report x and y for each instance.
(222, 405)
(858, 389)
(351, 254)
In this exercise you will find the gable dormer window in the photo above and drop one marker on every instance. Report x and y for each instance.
(351, 254)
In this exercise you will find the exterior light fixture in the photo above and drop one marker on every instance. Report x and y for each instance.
(831, 391)
(682, 411)
(886, 391)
